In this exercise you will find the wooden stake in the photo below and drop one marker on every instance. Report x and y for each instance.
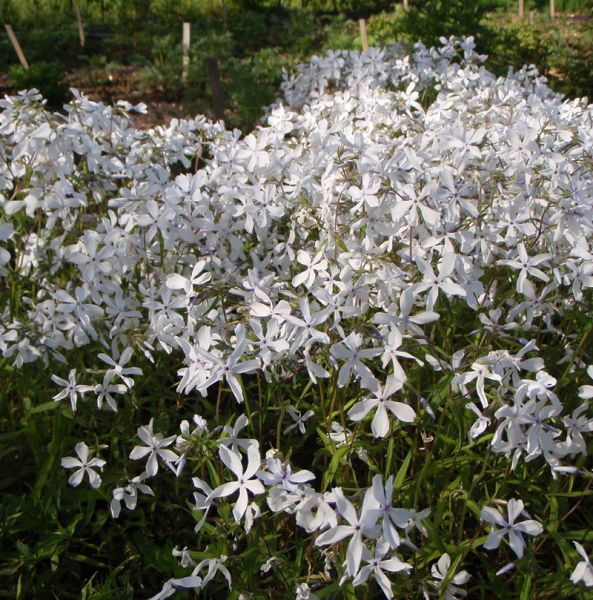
(552, 9)
(363, 34)
(186, 42)
(521, 9)
(80, 27)
(16, 46)
(215, 87)
(406, 4)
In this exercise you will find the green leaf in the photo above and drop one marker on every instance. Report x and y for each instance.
(403, 470)
(526, 587)
(45, 407)
(335, 463)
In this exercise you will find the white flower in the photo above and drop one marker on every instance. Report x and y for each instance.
(232, 439)
(377, 565)
(453, 590)
(185, 557)
(300, 420)
(509, 527)
(392, 353)
(392, 517)
(586, 391)
(442, 281)
(303, 592)
(105, 391)
(279, 473)
(527, 266)
(118, 368)
(480, 424)
(268, 564)
(584, 569)
(229, 367)
(380, 401)
(358, 526)
(156, 446)
(83, 465)
(244, 483)
(71, 388)
(197, 278)
(348, 349)
(313, 265)
(129, 494)
(214, 566)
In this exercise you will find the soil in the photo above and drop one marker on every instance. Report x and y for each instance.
(120, 83)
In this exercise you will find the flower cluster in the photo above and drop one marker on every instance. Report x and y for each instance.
(385, 194)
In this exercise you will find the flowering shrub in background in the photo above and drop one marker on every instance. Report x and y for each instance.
(351, 349)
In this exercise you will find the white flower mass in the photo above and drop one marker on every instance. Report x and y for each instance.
(384, 191)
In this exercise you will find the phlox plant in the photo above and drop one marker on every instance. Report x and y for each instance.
(347, 355)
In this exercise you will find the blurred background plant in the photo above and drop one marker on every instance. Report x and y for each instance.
(134, 47)
(47, 77)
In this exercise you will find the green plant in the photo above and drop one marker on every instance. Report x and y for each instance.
(428, 20)
(253, 84)
(47, 77)
(340, 33)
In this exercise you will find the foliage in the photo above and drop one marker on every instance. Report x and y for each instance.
(429, 20)
(561, 52)
(286, 35)
(252, 82)
(47, 77)
(564, 58)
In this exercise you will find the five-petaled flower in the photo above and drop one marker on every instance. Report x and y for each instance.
(155, 446)
(71, 388)
(509, 527)
(83, 465)
(584, 569)
(358, 526)
(377, 565)
(244, 483)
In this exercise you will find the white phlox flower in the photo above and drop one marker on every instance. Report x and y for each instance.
(83, 465)
(281, 473)
(480, 424)
(377, 565)
(118, 368)
(358, 526)
(453, 591)
(509, 527)
(245, 479)
(156, 447)
(71, 388)
(300, 420)
(383, 405)
(584, 569)
(129, 495)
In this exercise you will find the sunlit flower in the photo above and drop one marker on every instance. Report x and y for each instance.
(509, 527)
(156, 446)
(584, 569)
(83, 465)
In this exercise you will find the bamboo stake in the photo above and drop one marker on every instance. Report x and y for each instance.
(552, 9)
(521, 9)
(186, 43)
(80, 27)
(16, 46)
(363, 34)
(406, 4)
